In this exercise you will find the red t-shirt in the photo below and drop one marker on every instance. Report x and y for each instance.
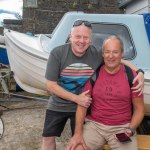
(112, 96)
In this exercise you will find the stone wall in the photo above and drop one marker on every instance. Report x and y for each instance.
(45, 15)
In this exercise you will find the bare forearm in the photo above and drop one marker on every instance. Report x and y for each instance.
(129, 64)
(77, 138)
(139, 77)
(80, 117)
(60, 92)
(138, 115)
(80, 99)
(136, 119)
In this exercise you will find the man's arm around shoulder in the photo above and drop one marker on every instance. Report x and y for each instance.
(139, 77)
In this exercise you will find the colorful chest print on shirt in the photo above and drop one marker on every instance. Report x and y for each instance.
(74, 77)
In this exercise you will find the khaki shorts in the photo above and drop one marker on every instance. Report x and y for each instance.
(96, 135)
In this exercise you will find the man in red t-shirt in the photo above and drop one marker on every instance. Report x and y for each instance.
(111, 119)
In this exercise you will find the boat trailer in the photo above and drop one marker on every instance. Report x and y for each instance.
(8, 84)
(6, 75)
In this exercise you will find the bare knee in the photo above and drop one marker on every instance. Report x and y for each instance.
(48, 143)
(48, 140)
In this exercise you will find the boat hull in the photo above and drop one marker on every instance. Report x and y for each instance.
(28, 69)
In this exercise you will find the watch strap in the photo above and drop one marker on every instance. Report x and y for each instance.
(139, 70)
(132, 131)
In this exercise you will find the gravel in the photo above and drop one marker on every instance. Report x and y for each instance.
(23, 124)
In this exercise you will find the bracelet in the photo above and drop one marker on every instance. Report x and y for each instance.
(139, 70)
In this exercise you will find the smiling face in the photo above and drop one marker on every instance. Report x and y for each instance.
(80, 38)
(112, 53)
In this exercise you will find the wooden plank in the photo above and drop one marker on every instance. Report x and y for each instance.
(143, 143)
(147, 109)
(106, 147)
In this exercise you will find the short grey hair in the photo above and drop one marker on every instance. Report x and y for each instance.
(113, 37)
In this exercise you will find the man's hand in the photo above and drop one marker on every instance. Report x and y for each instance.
(83, 99)
(75, 141)
(128, 132)
(140, 86)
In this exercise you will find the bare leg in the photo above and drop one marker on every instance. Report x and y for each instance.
(48, 143)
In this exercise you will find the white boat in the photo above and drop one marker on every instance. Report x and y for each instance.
(28, 54)
(27, 60)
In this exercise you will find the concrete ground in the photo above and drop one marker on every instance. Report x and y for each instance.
(23, 125)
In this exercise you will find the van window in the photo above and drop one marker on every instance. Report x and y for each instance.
(102, 31)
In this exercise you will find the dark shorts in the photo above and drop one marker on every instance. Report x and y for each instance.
(55, 123)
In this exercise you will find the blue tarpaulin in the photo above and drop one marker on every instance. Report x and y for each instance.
(147, 24)
(3, 56)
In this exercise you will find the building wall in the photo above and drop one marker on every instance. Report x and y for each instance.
(138, 7)
(41, 16)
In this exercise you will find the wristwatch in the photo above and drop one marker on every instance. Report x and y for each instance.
(132, 131)
(139, 70)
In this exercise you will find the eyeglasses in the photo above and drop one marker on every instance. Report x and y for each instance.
(82, 22)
